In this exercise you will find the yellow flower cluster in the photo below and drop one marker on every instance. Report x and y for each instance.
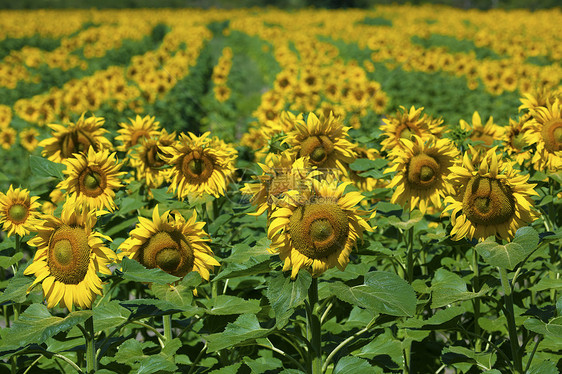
(220, 75)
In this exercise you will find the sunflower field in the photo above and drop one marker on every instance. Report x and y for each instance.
(271, 191)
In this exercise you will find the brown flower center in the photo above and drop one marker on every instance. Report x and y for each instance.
(197, 167)
(487, 201)
(151, 158)
(68, 256)
(168, 251)
(318, 147)
(479, 136)
(319, 229)
(517, 141)
(18, 213)
(552, 135)
(92, 181)
(423, 171)
(137, 135)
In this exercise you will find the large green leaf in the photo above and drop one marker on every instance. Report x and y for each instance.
(224, 305)
(456, 354)
(509, 255)
(353, 365)
(41, 167)
(181, 294)
(382, 292)
(384, 345)
(156, 364)
(36, 324)
(553, 328)
(7, 261)
(415, 217)
(263, 364)
(246, 328)
(230, 369)
(135, 271)
(285, 295)
(440, 317)
(448, 288)
(16, 291)
(109, 315)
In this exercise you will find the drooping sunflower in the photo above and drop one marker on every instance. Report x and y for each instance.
(545, 130)
(171, 243)
(484, 134)
(92, 179)
(491, 198)
(147, 159)
(199, 165)
(422, 168)
(539, 97)
(140, 128)
(324, 140)
(318, 232)
(19, 212)
(281, 174)
(66, 140)
(404, 124)
(28, 139)
(69, 256)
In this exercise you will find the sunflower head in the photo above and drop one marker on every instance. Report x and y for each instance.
(200, 165)
(139, 128)
(545, 130)
(319, 231)
(482, 134)
(492, 198)
(66, 140)
(171, 243)
(18, 211)
(69, 255)
(92, 179)
(422, 168)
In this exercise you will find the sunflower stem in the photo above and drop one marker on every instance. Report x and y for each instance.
(91, 364)
(476, 301)
(315, 328)
(511, 326)
(410, 254)
(167, 322)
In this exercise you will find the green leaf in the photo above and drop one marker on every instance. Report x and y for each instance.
(253, 266)
(41, 167)
(129, 204)
(553, 328)
(246, 328)
(129, 352)
(382, 292)
(230, 369)
(7, 261)
(16, 291)
(415, 217)
(156, 364)
(224, 305)
(135, 271)
(143, 308)
(448, 288)
(384, 345)
(437, 320)
(455, 354)
(262, 364)
(352, 365)
(362, 164)
(36, 324)
(181, 295)
(509, 255)
(544, 367)
(547, 284)
(285, 295)
(109, 315)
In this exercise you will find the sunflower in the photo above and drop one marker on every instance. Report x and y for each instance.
(323, 140)
(69, 256)
(404, 124)
(514, 141)
(538, 97)
(75, 138)
(199, 165)
(276, 132)
(422, 168)
(319, 231)
(222, 92)
(91, 179)
(281, 174)
(18, 211)
(130, 134)
(7, 137)
(491, 198)
(28, 139)
(483, 134)
(545, 130)
(170, 243)
(147, 159)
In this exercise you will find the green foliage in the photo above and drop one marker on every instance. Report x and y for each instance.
(454, 45)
